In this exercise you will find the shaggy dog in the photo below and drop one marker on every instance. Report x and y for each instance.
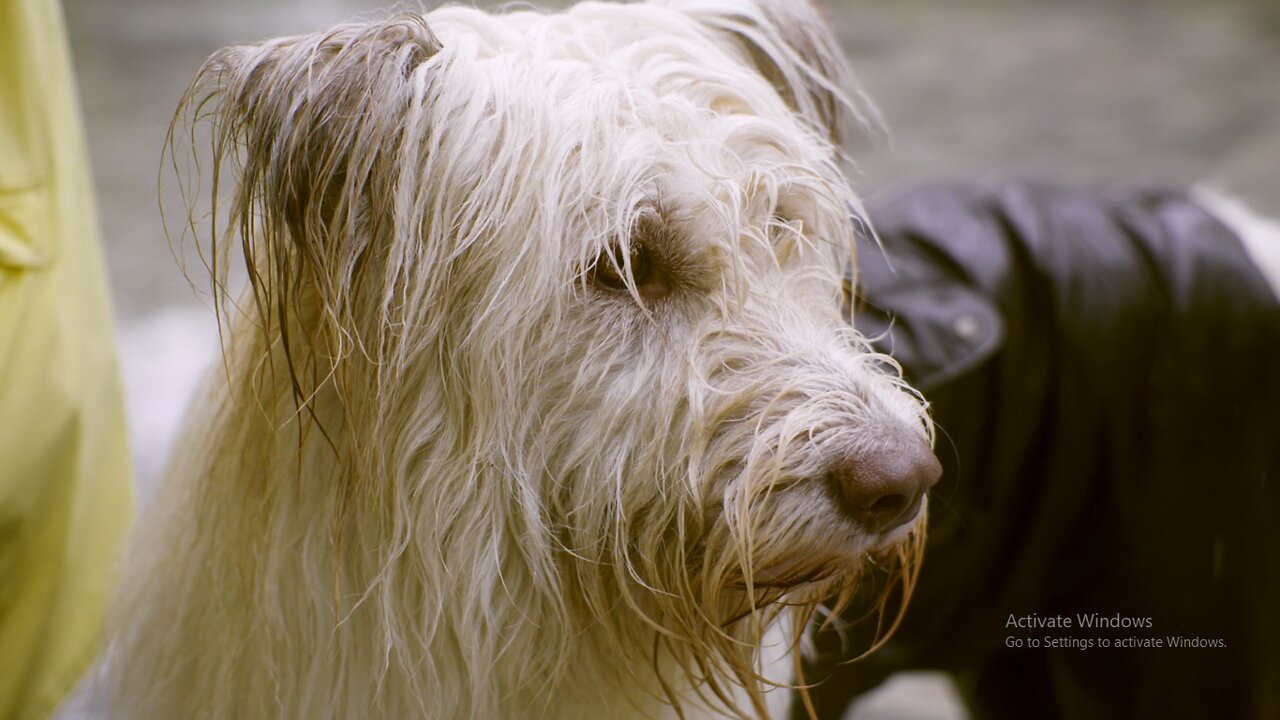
(539, 401)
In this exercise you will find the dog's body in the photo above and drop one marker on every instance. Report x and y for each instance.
(1101, 364)
(1259, 234)
(540, 402)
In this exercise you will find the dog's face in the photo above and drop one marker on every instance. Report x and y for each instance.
(572, 285)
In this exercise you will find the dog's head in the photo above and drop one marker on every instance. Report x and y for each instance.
(561, 295)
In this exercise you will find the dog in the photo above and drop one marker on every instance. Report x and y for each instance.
(538, 402)
(1100, 362)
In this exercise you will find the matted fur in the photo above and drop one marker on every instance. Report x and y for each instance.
(444, 471)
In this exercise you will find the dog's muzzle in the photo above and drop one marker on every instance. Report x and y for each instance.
(881, 485)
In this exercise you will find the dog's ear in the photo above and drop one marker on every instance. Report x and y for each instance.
(311, 138)
(307, 119)
(791, 44)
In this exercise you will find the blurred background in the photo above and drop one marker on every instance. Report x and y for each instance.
(1089, 91)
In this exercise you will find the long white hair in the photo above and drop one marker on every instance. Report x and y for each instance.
(445, 469)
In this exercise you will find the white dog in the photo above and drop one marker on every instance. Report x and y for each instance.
(540, 403)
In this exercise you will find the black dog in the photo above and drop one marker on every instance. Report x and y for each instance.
(1104, 369)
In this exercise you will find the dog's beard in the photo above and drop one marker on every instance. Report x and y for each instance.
(741, 584)
(755, 540)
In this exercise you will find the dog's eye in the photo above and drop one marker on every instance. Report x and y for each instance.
(651, 281)
(606, 272)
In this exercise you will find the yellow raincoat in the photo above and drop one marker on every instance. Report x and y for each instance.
(65, 476)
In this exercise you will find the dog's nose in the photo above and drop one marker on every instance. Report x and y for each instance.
(882, 485)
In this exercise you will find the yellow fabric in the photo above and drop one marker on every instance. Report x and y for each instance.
(65, 476)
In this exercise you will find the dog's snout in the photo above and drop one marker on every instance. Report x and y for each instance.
(882, 485)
